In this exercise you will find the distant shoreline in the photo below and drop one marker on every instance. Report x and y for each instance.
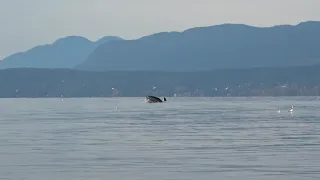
(251, 82)
(168, 97)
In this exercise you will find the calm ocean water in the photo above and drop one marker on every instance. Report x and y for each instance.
(184, 138)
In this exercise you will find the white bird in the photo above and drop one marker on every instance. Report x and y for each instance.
(291, 109)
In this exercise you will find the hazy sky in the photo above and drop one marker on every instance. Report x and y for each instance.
(27, 23)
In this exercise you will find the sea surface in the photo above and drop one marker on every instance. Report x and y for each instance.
(182, 139)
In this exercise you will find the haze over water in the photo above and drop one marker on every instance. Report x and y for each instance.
(184, 138)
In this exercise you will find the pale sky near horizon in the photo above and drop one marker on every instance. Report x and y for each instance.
(28, 23)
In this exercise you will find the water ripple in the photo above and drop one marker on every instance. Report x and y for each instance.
(184, 138)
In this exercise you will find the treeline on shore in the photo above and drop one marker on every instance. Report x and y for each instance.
(286, 81)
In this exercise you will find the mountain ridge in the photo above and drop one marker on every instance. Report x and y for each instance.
(211, 47)
(64, 52)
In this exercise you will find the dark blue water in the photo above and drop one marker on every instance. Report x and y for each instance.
(184, 138)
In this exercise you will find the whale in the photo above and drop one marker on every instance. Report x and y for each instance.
(154, 99)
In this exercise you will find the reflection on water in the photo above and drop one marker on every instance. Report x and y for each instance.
(184, 138)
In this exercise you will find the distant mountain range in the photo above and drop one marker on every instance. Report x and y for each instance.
(202, 48)
(63, 53)
(207, 48)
